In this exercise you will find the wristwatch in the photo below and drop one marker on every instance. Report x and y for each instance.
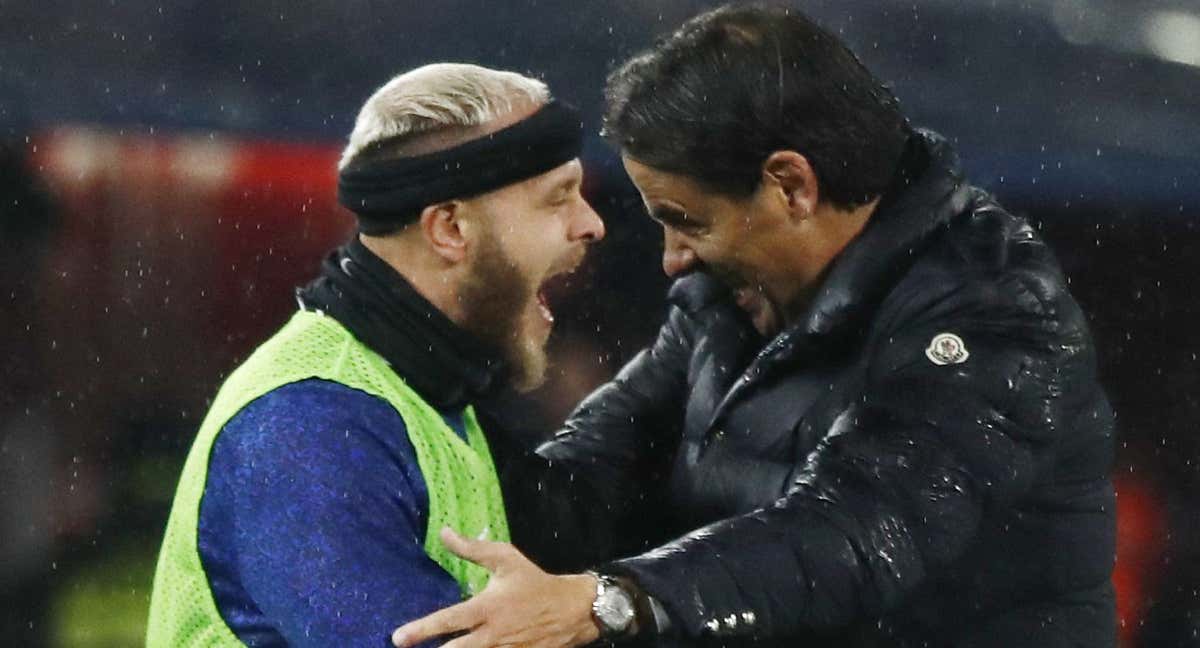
(612, 609)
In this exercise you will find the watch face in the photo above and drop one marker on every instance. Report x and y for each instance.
(614, 608)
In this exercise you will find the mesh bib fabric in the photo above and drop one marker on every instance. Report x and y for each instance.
(464, 492)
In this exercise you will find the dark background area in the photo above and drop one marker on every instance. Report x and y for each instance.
(167, 177)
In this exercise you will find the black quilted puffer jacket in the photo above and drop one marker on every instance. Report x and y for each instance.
(923, 460)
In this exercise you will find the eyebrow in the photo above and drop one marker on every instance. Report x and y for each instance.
(565, 186)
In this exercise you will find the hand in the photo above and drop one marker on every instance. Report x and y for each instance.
(521, 605)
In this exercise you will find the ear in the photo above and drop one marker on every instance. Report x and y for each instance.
(790, 173)
(442, 228)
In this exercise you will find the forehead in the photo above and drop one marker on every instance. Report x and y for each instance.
(657, 185)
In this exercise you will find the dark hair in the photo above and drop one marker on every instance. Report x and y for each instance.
(732, 85)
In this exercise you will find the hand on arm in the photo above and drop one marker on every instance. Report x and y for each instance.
(521, 605)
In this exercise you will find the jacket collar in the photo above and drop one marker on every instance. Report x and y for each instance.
(927, 192)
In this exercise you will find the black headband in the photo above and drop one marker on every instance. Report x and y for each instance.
(390, 193)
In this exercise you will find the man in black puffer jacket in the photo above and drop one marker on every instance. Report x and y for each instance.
(872, 417)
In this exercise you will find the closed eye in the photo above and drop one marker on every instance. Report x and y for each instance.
(671, 217)
(678, 220)
(564, 192)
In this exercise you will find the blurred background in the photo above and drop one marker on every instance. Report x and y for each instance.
(166, 179)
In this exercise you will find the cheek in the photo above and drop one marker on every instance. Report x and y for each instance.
(542, 248)
(536, 233)
(751, 253)
(533, 267)
(525, 250)
(724, 255)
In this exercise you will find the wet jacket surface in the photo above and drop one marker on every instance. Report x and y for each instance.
(921, 460)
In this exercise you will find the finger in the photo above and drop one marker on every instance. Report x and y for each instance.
(490, 555)
(455, 618)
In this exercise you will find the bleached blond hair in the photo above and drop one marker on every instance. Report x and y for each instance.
(437, 97)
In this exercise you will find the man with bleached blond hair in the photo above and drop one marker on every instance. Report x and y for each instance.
(309, 508)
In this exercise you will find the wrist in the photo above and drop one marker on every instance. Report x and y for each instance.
(586, 628)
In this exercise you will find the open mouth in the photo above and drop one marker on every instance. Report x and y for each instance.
(758, 307)
(553, 290)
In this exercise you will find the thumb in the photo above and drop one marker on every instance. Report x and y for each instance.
(489, 555)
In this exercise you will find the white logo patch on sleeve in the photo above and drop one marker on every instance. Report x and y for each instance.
(946, 349)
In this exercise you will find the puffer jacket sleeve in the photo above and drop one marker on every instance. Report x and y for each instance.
(599, 467)
(898, 486)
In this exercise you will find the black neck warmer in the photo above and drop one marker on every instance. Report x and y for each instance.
(447, 366)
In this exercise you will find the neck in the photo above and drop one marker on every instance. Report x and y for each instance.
(830, 231)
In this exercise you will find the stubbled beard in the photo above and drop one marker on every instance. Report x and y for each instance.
(495, 298)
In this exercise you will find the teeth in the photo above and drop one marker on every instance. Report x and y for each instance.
(543, 307)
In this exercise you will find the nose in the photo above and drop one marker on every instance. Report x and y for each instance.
(587, 226)
(677, 256)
